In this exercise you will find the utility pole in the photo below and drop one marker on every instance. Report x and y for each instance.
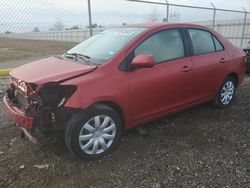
(167, 12)
(90, 19)
(213, 15)
(244, 27)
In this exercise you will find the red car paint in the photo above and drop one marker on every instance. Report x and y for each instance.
(16, 115)
(49, 70)
(144, 94)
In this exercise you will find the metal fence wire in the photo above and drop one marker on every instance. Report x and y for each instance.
(76, 20)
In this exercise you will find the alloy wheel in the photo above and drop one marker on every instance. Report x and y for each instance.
(97, 134)
(227, 92)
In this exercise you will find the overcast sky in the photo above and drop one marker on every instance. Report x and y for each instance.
(23, 15)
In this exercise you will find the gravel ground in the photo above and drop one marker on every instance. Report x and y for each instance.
(201, 147)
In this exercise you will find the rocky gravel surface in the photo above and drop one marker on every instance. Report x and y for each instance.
(201, 147)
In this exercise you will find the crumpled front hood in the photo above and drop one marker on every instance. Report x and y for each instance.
(50, 70)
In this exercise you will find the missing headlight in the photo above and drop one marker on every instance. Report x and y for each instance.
(56, 95)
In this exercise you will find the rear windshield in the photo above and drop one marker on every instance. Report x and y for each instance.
(105, 45)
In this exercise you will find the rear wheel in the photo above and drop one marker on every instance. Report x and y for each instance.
(226, 94)
(93, 133)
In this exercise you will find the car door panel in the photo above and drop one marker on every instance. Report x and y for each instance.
(158, 89)
(208, 73)
(209, 65)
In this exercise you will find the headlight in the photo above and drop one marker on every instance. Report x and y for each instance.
(56, 95)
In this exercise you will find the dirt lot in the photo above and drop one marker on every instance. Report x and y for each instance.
(24, 51)
(201, 147)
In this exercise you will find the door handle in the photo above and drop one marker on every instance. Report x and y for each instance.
(223, 60)
(186, 68)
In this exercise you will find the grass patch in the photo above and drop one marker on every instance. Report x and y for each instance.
(15, 54)
(4, 72)
(16, 49)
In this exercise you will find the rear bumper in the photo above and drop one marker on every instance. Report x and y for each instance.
(16, 115)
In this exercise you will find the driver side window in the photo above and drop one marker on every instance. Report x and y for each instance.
(165, 45)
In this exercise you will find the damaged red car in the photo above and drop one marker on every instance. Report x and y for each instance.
(122, 78)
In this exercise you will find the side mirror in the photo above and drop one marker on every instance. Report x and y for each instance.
(143, 61)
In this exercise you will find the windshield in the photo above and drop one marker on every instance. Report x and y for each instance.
(105, 45)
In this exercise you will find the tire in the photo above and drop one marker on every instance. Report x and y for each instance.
(93, 133)
(226, 94)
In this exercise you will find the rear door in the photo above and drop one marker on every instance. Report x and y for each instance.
(166, 85)
(209, 62)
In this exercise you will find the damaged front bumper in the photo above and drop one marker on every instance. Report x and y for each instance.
(38, 111)
(19, 118)
(35, 125)
(16, 115)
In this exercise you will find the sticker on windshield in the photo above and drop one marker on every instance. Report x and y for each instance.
(111, 53)
(124, 33)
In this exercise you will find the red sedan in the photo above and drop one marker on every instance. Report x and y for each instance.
(122, 78)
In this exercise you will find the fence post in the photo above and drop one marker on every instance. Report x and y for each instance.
(167, 12)
(213, 15)
(90, 19)
(244, 26)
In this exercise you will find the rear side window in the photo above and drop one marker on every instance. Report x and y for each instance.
(165, 45)
(202, 41)
(218, 45)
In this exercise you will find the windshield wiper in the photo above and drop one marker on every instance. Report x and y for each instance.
(77, 55)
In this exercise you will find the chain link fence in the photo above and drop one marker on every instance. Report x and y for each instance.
(76, 20)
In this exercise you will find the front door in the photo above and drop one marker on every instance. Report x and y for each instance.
(166, 85)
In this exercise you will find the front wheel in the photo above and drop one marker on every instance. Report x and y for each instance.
(226, 94)
(93, 133)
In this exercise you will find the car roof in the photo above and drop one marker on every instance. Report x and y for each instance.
(153, 25)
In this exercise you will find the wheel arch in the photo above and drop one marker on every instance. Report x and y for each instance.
(116, 107)
(235, 76)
